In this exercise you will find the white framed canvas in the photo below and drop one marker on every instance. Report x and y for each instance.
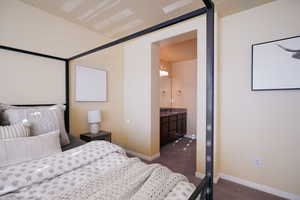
(276, 65)
(91, 84)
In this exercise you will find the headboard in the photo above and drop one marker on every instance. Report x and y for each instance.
(33, 79)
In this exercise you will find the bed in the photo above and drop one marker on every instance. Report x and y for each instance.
(39, 160)
(96, 170)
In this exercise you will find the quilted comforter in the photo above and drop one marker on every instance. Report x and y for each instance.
(95, 171)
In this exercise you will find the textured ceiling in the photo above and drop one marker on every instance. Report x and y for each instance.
(116, 18)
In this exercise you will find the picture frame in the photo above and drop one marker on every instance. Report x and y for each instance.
(91, 84)
(276, 65)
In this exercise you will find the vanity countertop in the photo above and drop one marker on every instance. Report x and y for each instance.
(166, 112)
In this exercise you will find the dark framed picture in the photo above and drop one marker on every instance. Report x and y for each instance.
(276, 65)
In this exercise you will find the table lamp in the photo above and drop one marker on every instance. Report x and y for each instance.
(94, 119)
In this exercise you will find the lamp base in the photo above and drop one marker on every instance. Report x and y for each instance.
(94, 128)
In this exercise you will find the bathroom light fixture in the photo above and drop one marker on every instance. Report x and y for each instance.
(163, 73)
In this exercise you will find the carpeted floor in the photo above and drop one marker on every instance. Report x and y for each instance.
(180, 156)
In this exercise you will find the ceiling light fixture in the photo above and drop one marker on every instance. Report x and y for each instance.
(174, 6)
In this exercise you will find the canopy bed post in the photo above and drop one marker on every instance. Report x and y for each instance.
(205, 189)
(209, 97)
(67, 113)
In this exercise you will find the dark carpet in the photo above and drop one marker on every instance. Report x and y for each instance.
(180, 157)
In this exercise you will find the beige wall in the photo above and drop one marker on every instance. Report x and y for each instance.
(262, 124)
(155, 99)
(28, 79)
(180, 51)
(26, 27)
(184, 78)
(112, 61)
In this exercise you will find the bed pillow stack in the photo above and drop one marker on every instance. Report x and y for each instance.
(42, 119)
(34, 132)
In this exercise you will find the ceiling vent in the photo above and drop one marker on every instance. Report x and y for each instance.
(174, 6)
(115, 18)
(127, 26)
(99, 8)
(70, 5)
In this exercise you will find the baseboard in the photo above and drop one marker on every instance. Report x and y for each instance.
(142, 156)
(201, 175)
(260, 187)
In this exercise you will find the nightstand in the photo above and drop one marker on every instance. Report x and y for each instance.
(102, 135)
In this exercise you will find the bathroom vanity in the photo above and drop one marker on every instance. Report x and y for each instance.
(172, 124)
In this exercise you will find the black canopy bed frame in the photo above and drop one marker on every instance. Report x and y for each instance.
(205, 189)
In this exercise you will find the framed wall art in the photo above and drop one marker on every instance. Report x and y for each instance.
(276, 65)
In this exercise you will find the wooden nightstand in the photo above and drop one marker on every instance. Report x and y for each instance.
(102, 135)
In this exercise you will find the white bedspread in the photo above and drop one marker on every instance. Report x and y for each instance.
(95, 171)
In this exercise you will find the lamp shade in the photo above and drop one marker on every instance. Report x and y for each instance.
(94, 116)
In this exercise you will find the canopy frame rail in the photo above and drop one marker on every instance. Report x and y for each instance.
(151, 29)
(67, 78)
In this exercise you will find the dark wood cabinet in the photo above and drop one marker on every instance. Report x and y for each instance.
(164, 130)
(172, 125)
(181, 124)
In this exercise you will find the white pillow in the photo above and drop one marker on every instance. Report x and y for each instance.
(14, 131)
(17, 150)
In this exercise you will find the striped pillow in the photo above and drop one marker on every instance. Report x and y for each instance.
(14, 131)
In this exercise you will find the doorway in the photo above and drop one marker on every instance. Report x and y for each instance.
(178, 102)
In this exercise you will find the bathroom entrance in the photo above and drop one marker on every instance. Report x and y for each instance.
(178, 103)
(178, 87)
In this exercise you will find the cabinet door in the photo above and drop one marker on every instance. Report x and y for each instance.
(173, 125)
(184, 126)
(164, 133)
(172, 136)
(180, 126)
